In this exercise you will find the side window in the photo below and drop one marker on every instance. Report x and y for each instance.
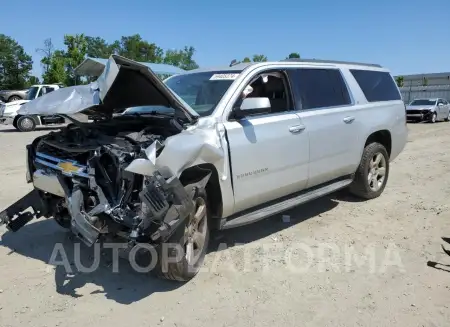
(272, 85)
(320, 88)
(376, 86)
(48, 89)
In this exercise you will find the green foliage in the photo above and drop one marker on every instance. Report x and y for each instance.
(246, 59)
(181, 58)
(293, 55)
(57, 68)
(32, 80)
(259, 58)
(15, 64)
(75, 54)
(400, 81)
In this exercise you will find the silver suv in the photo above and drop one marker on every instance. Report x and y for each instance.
(215, 149)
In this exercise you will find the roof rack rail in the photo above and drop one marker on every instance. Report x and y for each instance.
(330, 62)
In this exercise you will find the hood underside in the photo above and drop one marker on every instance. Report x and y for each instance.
(123, 84)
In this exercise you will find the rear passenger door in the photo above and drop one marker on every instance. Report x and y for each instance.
(328, 114)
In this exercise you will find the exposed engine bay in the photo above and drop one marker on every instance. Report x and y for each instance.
(85, 177)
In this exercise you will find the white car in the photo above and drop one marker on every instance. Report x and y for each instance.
(24, 123)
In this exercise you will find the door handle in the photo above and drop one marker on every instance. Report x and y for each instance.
(349, 119)
(296, 128)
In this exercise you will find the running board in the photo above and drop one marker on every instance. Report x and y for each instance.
(262, 213)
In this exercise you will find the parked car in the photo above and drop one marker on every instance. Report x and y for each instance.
(13, 95)
(430, 110)
(27, 123)
(233, 146)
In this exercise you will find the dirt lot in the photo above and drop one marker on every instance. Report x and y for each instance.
(273, 273)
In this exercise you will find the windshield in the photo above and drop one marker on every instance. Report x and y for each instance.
(423, 102)
(31, 94)
(201, 91)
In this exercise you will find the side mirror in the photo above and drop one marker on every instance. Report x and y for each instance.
(252, 106)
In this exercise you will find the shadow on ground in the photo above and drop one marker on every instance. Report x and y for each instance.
(37, 240)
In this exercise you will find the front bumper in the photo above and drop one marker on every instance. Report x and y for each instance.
(6, 120)
(419, 115)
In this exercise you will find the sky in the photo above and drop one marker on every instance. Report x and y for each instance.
(406, 36)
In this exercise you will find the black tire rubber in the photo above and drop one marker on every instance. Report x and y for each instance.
(181, 271)
(25, 129)
(434, 117)
(14, 98)
(360, 186)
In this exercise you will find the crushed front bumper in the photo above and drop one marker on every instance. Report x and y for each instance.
(16, 215)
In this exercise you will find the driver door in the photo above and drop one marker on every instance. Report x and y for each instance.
(269, 152)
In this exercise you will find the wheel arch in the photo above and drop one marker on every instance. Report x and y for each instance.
(383, 137)
(213, 189)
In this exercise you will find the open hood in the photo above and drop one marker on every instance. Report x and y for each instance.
(124, 83)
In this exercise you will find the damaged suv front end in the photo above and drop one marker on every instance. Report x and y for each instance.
(120, 176)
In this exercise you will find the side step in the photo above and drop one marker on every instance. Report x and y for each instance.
(265, 212)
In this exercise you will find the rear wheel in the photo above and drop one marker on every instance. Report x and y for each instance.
(26, 124)
(193, 238)
(373, 172)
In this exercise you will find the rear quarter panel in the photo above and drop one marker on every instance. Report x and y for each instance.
(378, 116)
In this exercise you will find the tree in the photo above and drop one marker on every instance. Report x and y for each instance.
(15, 64)
(135, 48)
(425, 81)
(75, 54)
(246, 59)
(97, 47)
(400, 81)
(181, 58)
(32, 80)
(57, 70)
(293, 55)
(47, 52)
(259, 58)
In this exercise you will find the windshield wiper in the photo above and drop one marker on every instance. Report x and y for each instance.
(151, 113)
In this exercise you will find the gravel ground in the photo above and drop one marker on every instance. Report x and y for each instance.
(337, 262)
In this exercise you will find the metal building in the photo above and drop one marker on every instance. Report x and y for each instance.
(436, 85)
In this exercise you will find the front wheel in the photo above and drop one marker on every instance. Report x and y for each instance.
(192, 239)
(26, 124)
(372, 174)
(433, 118)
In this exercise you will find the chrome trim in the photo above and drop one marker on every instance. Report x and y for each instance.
(47, 182)
(82, 171)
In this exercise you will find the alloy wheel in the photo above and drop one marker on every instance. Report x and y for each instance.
(377, 172)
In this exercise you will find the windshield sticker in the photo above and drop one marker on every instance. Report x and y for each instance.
(216, 77)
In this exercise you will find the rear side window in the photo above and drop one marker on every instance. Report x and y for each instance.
(321, 88)
(376, 86)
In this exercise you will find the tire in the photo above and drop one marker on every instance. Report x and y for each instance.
(183, 270)
(433, 118)
(448, 117)
(14, 98)
(361, 187)
(26, 124)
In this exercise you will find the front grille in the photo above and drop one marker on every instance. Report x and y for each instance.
(55, 152)
(414, 112)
